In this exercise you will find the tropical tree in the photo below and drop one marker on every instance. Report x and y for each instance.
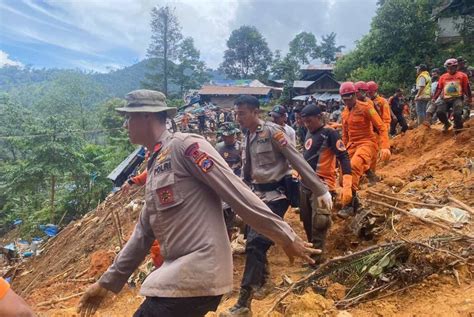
(247, 54)
(165, 38)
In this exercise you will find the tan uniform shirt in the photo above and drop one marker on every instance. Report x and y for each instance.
(183, 211)
(270, 151)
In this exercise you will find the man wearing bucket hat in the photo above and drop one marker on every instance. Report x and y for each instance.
(230, 148)
(183, 210)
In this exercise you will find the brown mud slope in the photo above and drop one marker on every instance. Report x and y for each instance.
(426, 166)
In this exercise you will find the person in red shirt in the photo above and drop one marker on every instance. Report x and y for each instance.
(452, 87)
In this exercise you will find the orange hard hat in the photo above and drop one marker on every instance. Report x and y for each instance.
(361, 85)
(347, 88)
(372, 85)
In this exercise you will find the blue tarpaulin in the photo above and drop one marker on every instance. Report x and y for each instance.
(17, 222)
(50, 230)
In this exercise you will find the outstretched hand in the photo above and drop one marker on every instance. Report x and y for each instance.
(301, 249)
(91, 300)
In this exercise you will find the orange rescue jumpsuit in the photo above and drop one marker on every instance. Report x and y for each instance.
(383, 109)
(360, 139)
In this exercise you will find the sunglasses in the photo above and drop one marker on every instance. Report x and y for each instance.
(347, 96)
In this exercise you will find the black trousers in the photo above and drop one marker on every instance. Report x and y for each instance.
(255, 271)
(400, 120)
(177, 306)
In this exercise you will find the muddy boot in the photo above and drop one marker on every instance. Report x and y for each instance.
(350, 210)
(265, 290)
(372, 177)
(446, 127)
(242, 307)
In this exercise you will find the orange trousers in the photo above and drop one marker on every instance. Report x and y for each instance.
(373, 164)
(361, 156)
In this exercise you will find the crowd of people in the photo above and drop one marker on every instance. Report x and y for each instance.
(310, 156)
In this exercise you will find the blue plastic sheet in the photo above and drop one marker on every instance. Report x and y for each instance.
(17, 222)
(10, 246)
(50, 230)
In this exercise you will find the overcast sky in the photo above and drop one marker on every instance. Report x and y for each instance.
(102, 34)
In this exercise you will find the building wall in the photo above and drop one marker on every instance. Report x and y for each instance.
(448, 31)
(223, 101)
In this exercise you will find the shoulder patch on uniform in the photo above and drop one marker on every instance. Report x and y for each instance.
(205, 164)
(201, 159)
(340, 145)
(308, 143)
(191, 149)
(280, 138)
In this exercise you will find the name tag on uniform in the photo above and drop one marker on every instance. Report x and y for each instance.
(163, 167)
(262, 140)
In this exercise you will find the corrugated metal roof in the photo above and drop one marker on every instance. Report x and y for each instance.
(302, 83)
(234, 90)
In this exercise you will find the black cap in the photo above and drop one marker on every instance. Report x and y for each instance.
(278, 111)
(460, 59)
(311, 110)
(422, 67)
(298, 108)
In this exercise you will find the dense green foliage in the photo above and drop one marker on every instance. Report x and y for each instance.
(247, 54)
(402, 35)
(57, 150)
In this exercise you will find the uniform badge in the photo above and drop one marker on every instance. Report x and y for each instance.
(308, 143)
(206, 164)
(165, 195)
(163, 155)
(226, 154)
(280, 138)
(340, 146)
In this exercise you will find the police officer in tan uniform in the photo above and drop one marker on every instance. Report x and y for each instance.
(267, 153)
(186, 181)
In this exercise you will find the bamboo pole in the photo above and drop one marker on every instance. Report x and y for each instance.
(462, 205)
(54, 301)
(404, 200)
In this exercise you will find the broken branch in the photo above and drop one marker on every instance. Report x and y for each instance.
(54, 301)
(404, 200)
(462, 205)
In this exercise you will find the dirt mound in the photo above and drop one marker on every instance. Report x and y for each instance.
(100, 262)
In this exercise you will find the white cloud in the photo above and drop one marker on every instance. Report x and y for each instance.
(118, 31)
(6, 61)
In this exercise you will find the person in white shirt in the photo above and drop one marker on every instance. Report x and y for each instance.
(280, 117)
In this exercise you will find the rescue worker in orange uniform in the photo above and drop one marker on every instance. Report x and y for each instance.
(383, 109)
(358, 122)
(362, 90)
(322, 148)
